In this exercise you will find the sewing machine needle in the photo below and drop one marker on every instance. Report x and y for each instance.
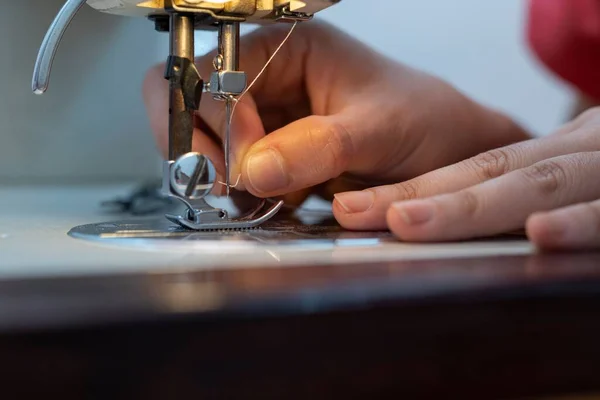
(227, 141)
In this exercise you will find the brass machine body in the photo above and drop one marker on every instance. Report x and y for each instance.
(255, 11)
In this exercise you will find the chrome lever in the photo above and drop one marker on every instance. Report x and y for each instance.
(43, 63)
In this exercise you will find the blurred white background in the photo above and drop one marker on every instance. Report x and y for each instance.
(92, 125)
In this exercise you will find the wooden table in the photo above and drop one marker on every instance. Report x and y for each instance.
(478, 328)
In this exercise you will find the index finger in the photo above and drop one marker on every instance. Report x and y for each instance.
(498, 205)
(367, 209)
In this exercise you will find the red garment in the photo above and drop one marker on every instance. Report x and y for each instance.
(565, 35)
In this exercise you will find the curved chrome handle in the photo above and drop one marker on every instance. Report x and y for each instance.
(43, 64)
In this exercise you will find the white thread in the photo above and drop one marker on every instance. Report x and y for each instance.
(239, 178)
(238, 99)
(262, 71)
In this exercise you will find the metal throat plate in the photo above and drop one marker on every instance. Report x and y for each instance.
(287, 230)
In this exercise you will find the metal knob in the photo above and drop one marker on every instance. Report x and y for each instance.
(193, 176)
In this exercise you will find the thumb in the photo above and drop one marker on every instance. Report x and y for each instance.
(305, 153)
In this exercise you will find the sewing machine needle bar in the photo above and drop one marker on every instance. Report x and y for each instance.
(181, 119)
(229, 42)
(227, 142)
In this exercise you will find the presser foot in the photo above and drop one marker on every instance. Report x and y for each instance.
(190, 179)
(215, 219)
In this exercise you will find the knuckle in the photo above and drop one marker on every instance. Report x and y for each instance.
(491, 164)
(547, 176)
(408, 190)
(586, 124)
(589, 136)
(470, 203)
(589, 114)
(339, 144)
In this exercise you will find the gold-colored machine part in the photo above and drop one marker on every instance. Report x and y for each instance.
(255, 11)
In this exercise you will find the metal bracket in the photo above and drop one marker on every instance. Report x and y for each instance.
(283, 14)
(185, 73)
(203, 16)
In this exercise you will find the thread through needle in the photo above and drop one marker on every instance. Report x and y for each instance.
(236, 100)
(230, 110)
(262, 71)
(227, 142)
(237, 182)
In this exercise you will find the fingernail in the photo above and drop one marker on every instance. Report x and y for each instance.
(415, 212)
(266, 172)
(356, 202)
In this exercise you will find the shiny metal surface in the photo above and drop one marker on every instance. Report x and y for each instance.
(190, 179)
(206, 218)
(45, 58)
(256, 11)
(181, 119)
(288, 231)
(193, 176)
(227, 143)
(229, 49)
(229, 45)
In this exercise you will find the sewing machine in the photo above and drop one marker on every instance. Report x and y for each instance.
(190, 177)
(228, 314)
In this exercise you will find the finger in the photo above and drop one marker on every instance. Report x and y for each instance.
(589, 117)
(498, 205)
(575, 227)
(368, 209)
(305, 153)
(297, 82)
(207, 130)
(276, 118)
(344, 183)
(246, 128)
(324, 191)
(204, 145)
(302, 79)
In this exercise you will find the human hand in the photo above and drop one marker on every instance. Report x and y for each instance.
(331, 114)
(548, 185)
